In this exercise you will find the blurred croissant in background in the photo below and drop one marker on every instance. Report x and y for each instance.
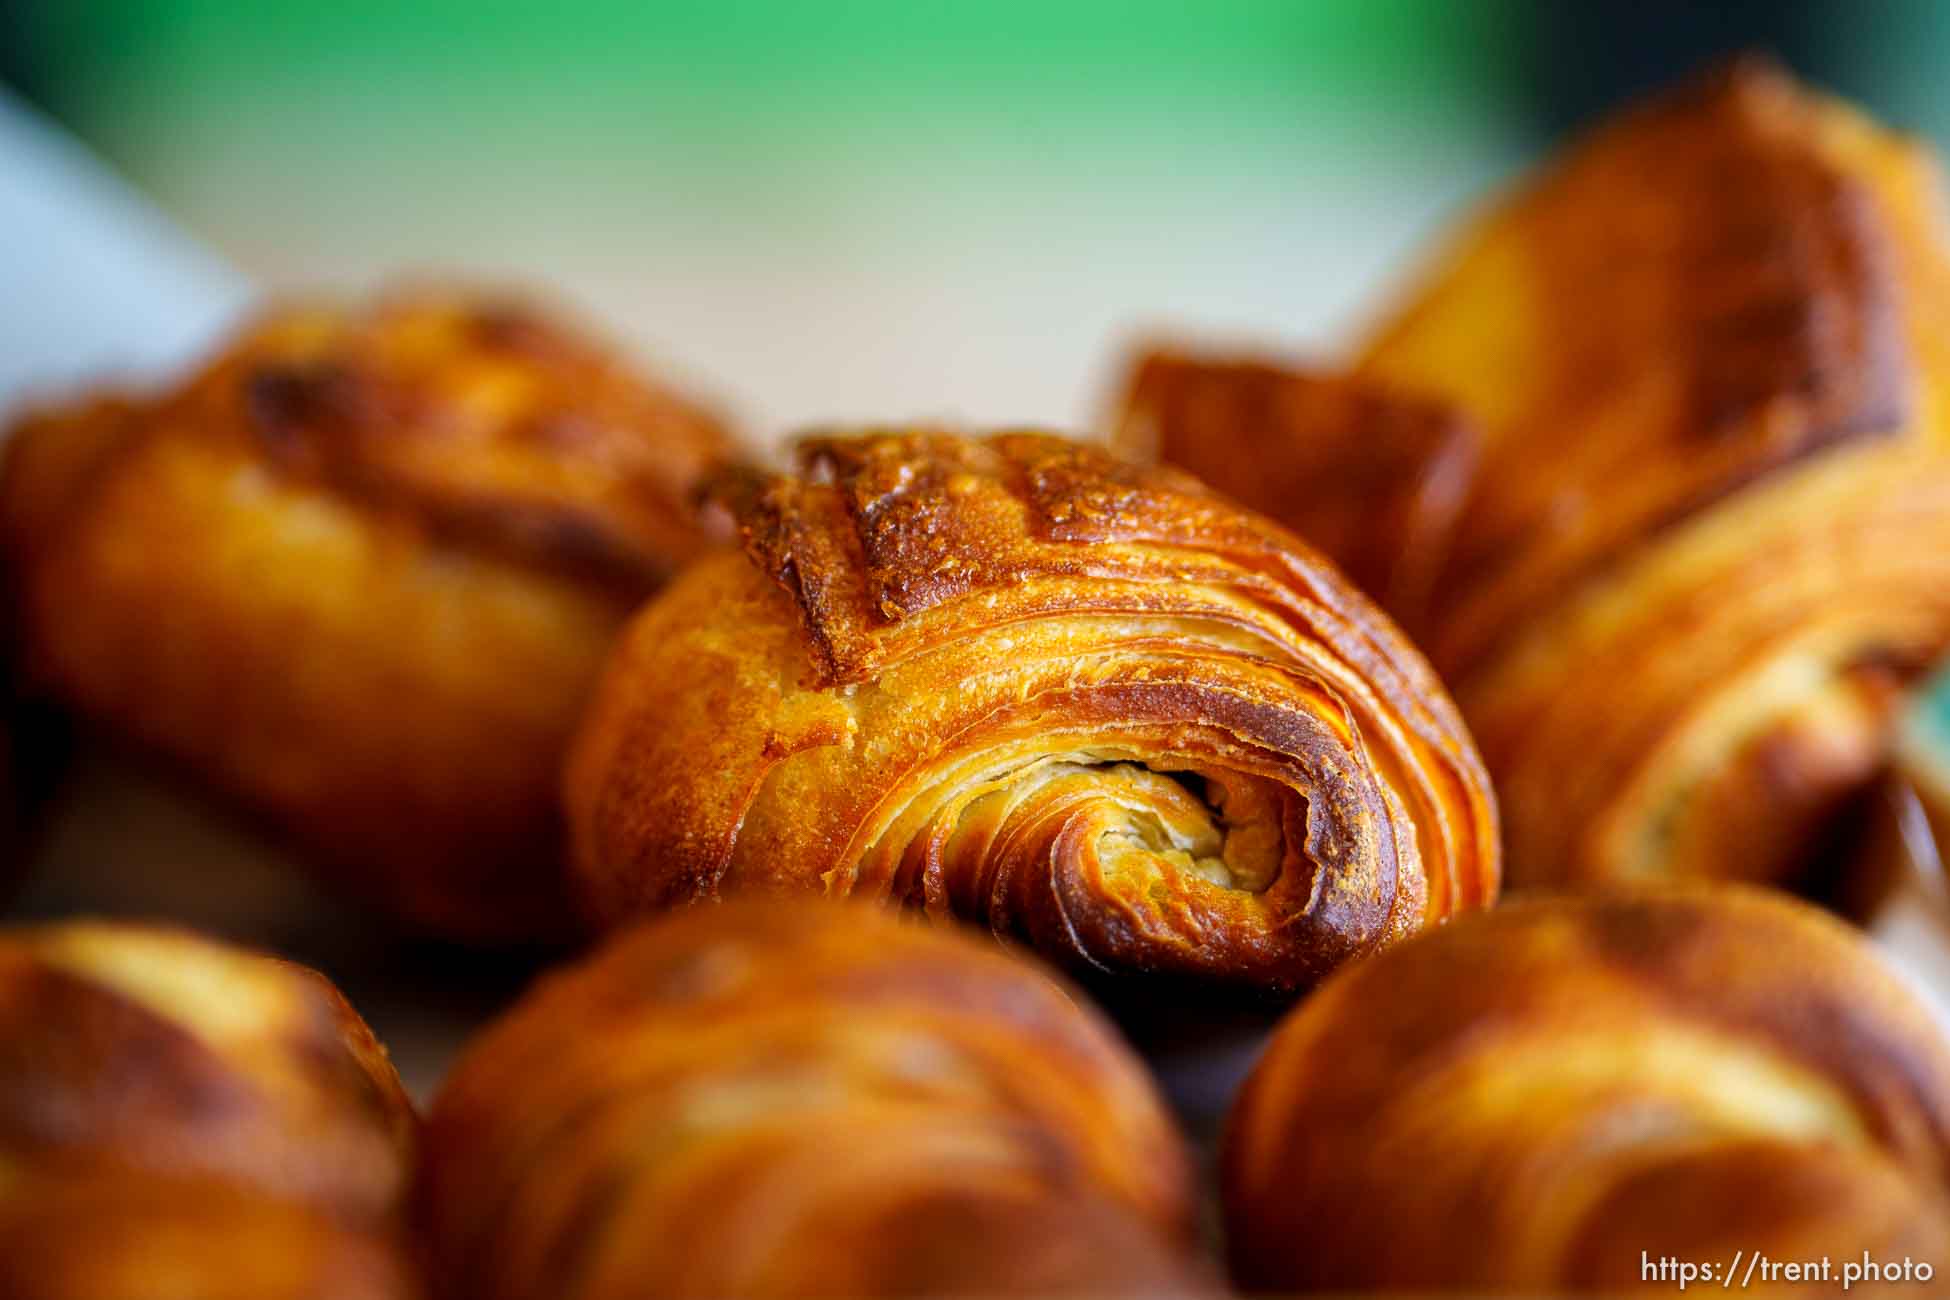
(1540, 1098)
(1685, 543)
(1017, 682)
(182, 1118)
(807, 1099)
(358, 574)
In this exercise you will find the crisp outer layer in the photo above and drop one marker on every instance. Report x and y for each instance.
(1372, 477)
(1534, 1096)
(770, 1099)
(129, 1050)
(358, 575)
(1706, 548)
(1016, 681)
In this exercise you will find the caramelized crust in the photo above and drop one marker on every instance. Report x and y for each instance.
(1532, 1098)
(358, 574)
(1700, 295)
(488, 423)
(1015, 681)
(1702, 553)
(1373, 478)
(802, 1100)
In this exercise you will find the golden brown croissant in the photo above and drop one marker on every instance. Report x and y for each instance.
(359, 574)
(129, 1048)
(805, 1099)
(1703, 549)
(1546, 1096)
(182, 1118)
(1018, 682)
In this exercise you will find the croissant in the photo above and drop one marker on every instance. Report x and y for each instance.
(171, 1108)
(790, 1099)
(1564, 1092)
(1702, 549)
(146, 1050)
(1012, 680)
(358, 574)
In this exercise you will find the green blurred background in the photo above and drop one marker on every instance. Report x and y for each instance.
(880, 209)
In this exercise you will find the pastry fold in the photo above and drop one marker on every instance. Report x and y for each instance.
(1373, 477)
(1539, 1098)
(358, 574)
(770, 1099)
(182, 1115)
(1700, 545)
(1015, 681)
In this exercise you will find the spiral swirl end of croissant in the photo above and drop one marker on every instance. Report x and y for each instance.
(1532, 1097)
(1015, 681)
(357, 574)
(803, 1099)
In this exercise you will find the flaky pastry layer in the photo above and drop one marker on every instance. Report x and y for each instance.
(1015, 681)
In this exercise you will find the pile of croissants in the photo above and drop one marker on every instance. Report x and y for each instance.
(1604, 569)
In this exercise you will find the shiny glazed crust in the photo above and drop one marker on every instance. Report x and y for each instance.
(1699, 550)
(1705, 555)
(807, 1099)
(359, 574)
(1532, 1097)
(1018, 682)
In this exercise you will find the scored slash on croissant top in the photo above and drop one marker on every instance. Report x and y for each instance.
(1017, 681)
